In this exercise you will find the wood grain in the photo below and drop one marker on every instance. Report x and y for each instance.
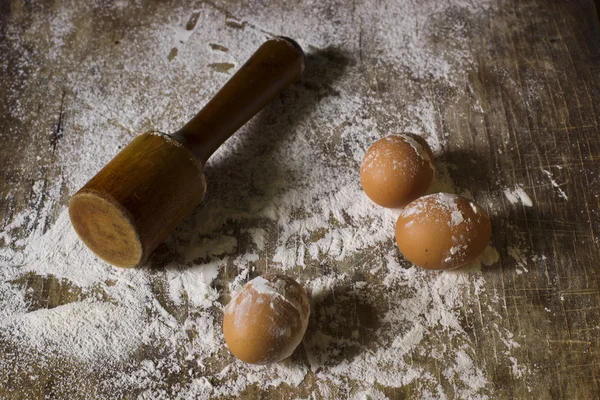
(529, 116)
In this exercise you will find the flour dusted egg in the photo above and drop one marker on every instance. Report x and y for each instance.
(266, 320)
(442, 231)
(396, 170)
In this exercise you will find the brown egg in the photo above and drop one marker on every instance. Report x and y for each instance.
(442, 231)
(396, 170)
(266, 320)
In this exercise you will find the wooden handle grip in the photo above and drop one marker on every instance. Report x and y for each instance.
(273, 67)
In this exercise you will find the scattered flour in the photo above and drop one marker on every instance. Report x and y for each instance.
(561, 192)
(518, 195)
(300, 158)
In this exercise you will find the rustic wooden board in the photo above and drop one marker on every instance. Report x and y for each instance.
(531, 105)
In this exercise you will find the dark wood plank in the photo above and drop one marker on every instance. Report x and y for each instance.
(528, 115)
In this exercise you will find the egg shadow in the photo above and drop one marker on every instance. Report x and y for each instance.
(467, 170)
(234, 174)
(470, 172)
(343, 322)
(522, 235)
(514, 225)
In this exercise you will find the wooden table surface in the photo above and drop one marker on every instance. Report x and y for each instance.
(524, 113)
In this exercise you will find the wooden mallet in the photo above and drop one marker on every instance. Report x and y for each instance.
(124, 212)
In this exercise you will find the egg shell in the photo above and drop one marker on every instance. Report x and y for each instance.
(396, 170)
(266, 320)
(442, 231)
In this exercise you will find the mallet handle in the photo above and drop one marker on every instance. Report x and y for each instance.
(272, 68)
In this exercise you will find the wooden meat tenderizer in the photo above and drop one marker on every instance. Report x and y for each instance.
(124, 212)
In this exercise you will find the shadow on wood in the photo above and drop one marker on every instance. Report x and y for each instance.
(236, 174)
(343, 322)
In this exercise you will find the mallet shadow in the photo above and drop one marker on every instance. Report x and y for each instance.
(239, 191)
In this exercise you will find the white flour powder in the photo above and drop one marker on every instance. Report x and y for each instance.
(289, 179)
(518, 195)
